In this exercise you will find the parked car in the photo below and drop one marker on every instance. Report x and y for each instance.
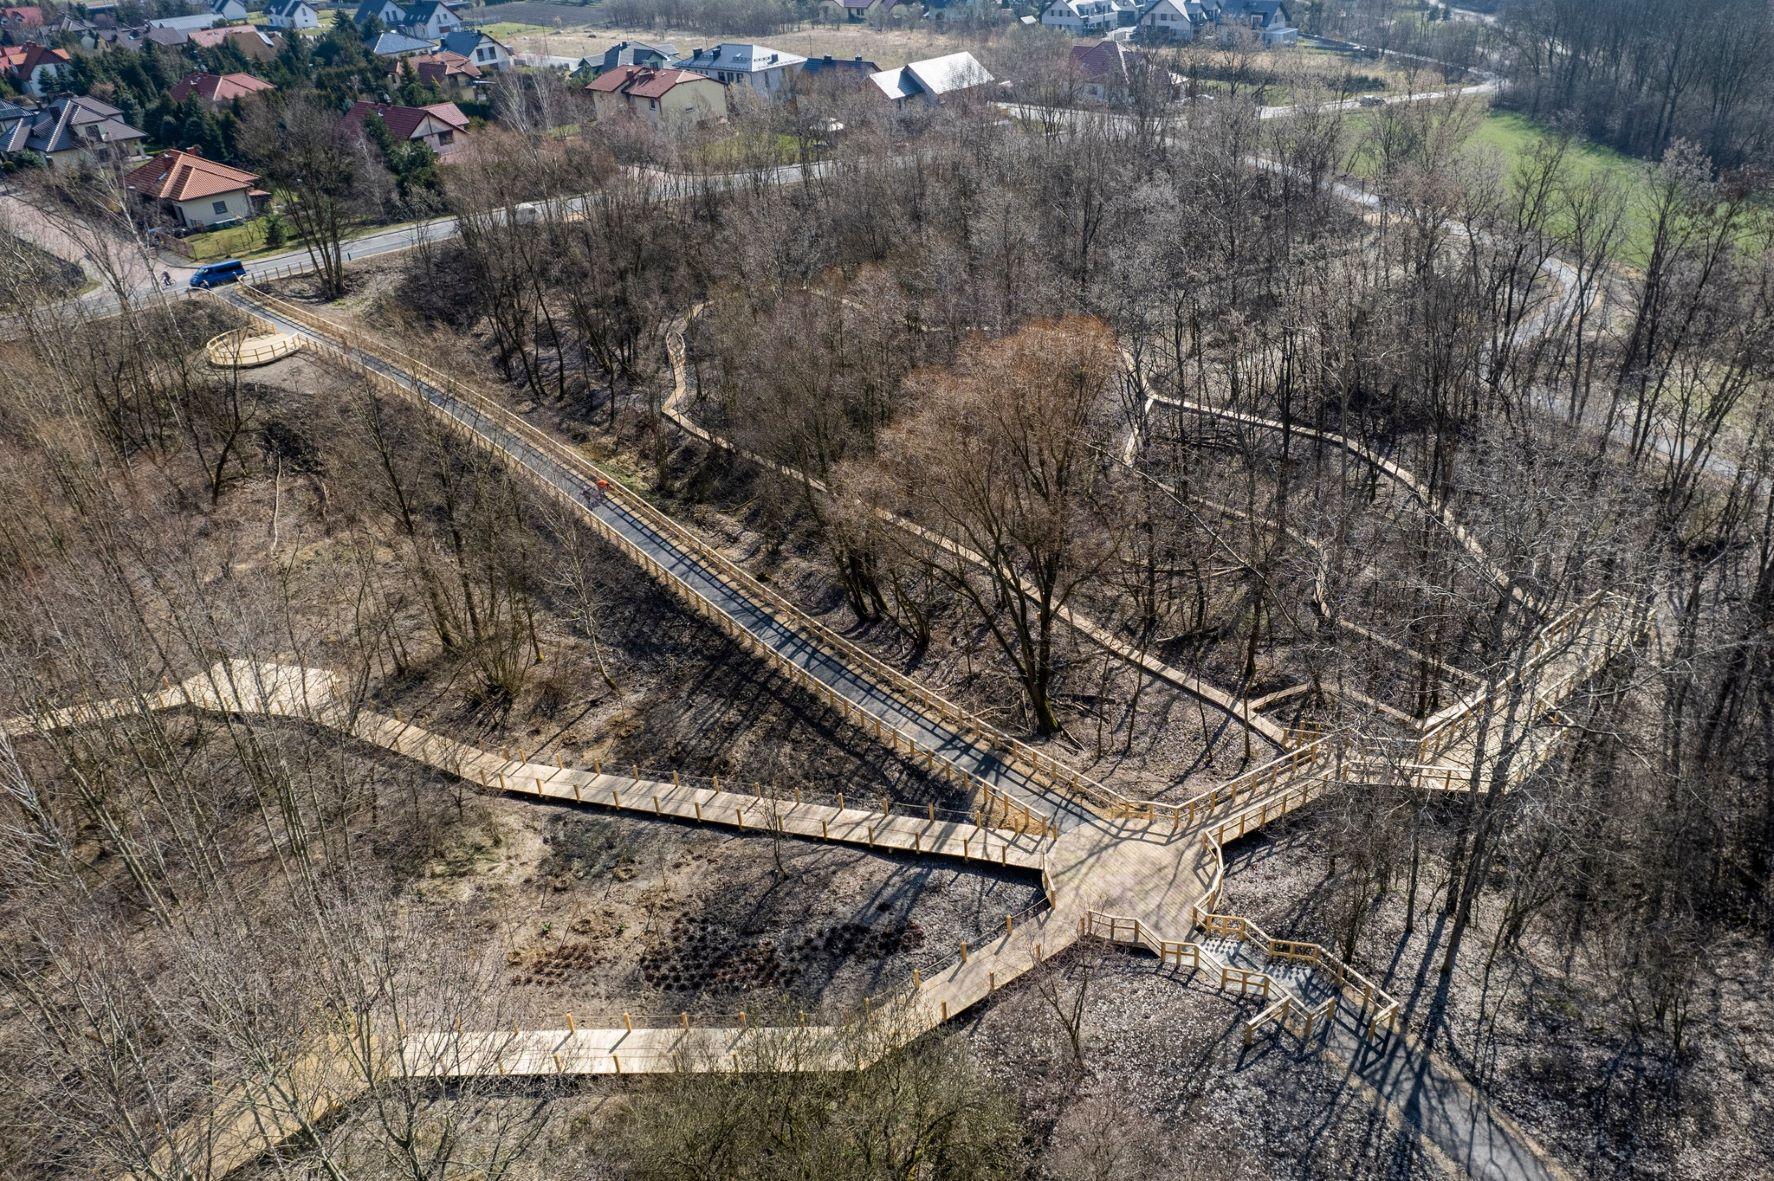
(218, 274)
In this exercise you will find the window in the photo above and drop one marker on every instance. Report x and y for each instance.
(219, 207)
(446, 137)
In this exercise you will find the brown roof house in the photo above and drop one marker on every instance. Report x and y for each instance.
(218, 90)
(254, 44)
(451, 73)
(442, 127)
(34, 67)
(198, 192)
(666, 98)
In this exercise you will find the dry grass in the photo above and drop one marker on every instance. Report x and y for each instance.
(885, 47)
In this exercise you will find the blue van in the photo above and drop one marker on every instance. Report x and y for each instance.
(218, 274)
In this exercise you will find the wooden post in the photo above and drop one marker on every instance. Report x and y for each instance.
(627, 1023)
(963, 951)
(697, 804)
(840, 801)
(917, 978)
(945, 1010)
(1009, 925)
(570, 1026)
(684, 1019)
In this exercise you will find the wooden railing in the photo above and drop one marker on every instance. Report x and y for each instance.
(1043, 772)
(243, 348)
(1376, 1013)
(1449, 727)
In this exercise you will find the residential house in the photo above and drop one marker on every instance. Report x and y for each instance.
(429, 19)
(252, 43)
(1269, 19)
(291, 14)
(228, 10)
(836, 74)
(70, 132)
(399, 45)
(765, 71)
(442, 127)
(1080, 18)
(635, 53)
(1169, 22)
(933, 81)
(389, 12)
(185, 24)
(196, 192)
(1108, 70)
(451, 73)
(480, 49)
(218, 90)
(875, 11)
(33, 68)
(666, 98)
(20, 22)
(102, 40)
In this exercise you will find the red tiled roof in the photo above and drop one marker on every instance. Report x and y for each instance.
(440, 66)
(182, 176)
(218, 88)
(24, 58)
(404, 121)
(642, 81)
(27, 16)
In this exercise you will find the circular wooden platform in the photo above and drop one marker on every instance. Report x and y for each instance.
(244, 348)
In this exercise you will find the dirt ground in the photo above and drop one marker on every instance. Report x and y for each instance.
(600, 914)
(1546, 1036)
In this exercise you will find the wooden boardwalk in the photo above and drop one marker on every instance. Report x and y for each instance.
(1141, 872)
(318, 697)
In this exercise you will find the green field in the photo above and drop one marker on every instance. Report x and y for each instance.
(233, 242)
(1512, 138)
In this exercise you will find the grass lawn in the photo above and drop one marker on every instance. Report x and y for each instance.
(232, 242)
(505, 30)
(1512, 138)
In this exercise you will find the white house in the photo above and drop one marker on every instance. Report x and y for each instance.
(477, 47)
(228, 10)
(930, 82)
(1080, 18)
(1269, 19)
(430, 19)
(291, 14)
(1168, 21)
(34, 68)
(195, 191)
(741, 63)
(186, 24)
